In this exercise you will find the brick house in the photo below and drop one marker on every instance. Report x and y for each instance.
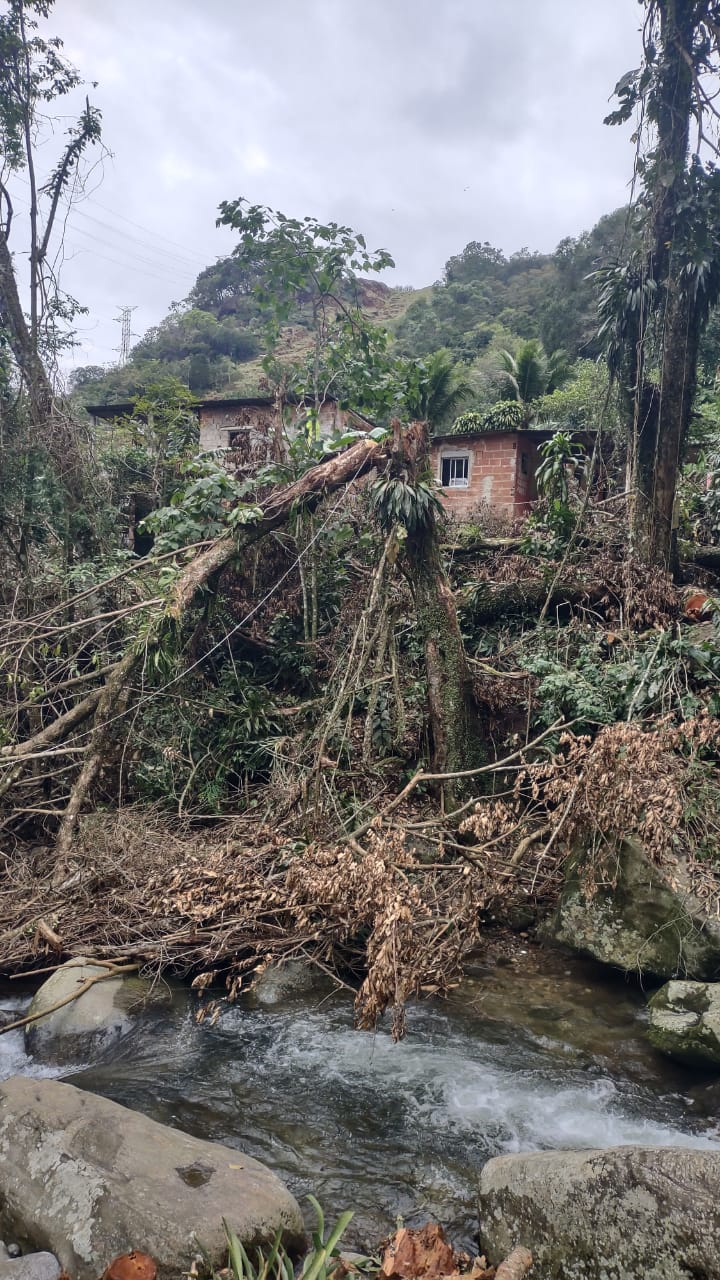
(493, 468)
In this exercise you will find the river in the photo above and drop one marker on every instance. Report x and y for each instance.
(540, 1052)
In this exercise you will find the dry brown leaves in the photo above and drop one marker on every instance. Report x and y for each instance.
(593, 793)
(424, 1254)
(418, 923)
(223, 904)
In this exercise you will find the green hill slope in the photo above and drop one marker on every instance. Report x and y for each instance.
(214, 340)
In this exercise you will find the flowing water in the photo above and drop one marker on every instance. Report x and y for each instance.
(541, 1053)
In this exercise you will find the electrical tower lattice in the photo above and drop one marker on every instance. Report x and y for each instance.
(125, 334)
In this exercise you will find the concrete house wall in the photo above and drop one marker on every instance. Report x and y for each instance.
(500, 467)
(247, 427)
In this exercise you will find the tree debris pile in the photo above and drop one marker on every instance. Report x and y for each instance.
(657, 784)
(222, 905)
(378, 916)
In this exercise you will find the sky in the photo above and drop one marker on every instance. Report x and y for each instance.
(424, 124)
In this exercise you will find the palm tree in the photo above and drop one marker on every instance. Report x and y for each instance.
(530, 374)
(434, 389)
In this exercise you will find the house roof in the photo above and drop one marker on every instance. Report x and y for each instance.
(535, 433)
(121, 410)
(125, 407)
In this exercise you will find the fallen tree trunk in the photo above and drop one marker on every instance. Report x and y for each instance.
(307, 491)
(706, 557)
(55, 732)
(489, 601)
(482, 546)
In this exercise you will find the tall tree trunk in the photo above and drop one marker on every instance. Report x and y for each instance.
(19, 336)
(452, 713)
(662, 427)
(662, 413)
(53, 430)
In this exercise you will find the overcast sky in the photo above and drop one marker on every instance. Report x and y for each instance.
(422, 123)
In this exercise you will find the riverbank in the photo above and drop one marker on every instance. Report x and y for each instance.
(535, 1050)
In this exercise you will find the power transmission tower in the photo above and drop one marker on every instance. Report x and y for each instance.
(125, 334)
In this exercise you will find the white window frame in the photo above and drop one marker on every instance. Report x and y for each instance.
(454, 481)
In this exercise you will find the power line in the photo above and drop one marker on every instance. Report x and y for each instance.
(127, 265)
(134, 261)
(183, 257)
(157, 265)
(75, 207)
(140, 227)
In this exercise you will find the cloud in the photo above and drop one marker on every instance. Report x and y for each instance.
(424, 125)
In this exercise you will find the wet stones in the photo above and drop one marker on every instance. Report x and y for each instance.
(684, 1022)
(89, 1023)
(32, 1266)
(279, 983)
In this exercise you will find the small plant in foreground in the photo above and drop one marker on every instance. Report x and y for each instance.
(319, 1263)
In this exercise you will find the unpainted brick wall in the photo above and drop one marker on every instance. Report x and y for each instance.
(496, 477)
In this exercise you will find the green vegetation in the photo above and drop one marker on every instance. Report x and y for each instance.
(320, 1262)
(306, 664)
(485, 305)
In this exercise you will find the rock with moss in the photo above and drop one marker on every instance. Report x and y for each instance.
(685, 1022)
(279, 984)
(628, 1213)
(649, 921)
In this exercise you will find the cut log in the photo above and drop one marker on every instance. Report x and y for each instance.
(516, 1265)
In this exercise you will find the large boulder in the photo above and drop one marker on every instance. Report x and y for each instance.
(91, 1022)
(88, 1180)
(684, 1022)
(650, 922)
(629, 1213)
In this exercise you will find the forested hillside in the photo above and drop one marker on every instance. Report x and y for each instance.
(484, 301)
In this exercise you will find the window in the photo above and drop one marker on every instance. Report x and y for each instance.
(524, 463)
(455, 472)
